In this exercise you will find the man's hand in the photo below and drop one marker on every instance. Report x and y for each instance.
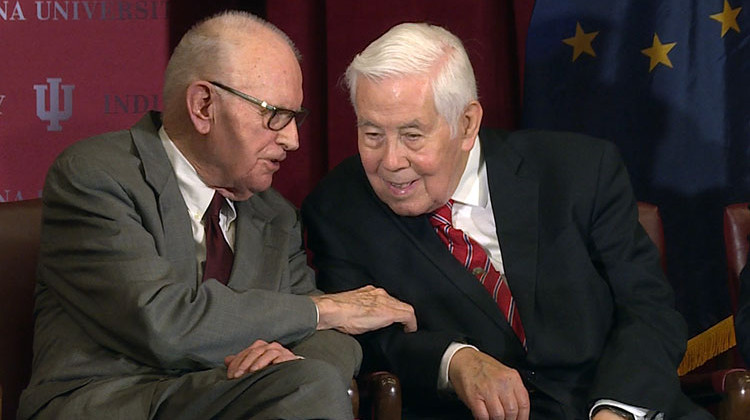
(259, 355)
(490, 389)
(361, 310)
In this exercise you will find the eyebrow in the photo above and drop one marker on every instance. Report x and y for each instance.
(410, 124)
(365, 123)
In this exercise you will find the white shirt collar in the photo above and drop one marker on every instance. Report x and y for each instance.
(195, 192)
(473, 189)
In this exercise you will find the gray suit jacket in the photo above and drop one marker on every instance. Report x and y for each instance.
(118, 292)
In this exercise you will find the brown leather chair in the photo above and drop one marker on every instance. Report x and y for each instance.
(736, 231)
(379, 394)
(731, 387)
(20, 223)
(650, 218)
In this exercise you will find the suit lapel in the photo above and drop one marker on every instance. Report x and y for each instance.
(424, 239)
(178, 243)
(255, 238)
(514, 191)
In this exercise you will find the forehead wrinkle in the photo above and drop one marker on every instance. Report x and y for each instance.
(260, 61)
(415, 123)
(411, 124)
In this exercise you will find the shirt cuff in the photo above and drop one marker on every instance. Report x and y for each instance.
(443, 382)
(637, 412)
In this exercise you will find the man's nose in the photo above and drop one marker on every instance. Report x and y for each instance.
(395, 156)
(288, 137)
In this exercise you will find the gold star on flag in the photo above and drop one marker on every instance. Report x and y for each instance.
(728, 18)
(581, 42)
(658, 53)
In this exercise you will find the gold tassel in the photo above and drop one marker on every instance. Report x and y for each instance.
(708, 344)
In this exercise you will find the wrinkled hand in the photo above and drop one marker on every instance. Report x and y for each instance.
(361, 310)
(259, 355)
(490, 389)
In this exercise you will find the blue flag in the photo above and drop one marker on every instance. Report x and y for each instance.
(669, 82)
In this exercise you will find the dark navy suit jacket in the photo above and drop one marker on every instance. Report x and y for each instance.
(597, 310)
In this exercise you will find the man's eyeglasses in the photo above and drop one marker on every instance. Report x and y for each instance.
(279, 117)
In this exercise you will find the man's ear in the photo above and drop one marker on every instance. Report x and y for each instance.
(469, 123)
(200, 106)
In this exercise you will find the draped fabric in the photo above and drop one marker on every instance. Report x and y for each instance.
(667, 82)
(329, 34)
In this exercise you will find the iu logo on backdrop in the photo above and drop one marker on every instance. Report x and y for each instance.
(53, 113)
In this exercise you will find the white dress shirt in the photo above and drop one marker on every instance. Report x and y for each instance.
(197, 196)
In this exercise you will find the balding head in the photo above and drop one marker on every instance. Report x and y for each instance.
(209, 49)
(225, 82)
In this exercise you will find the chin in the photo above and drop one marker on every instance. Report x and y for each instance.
(248, 190)
(414, 204)
(238, 196)
(406, 209)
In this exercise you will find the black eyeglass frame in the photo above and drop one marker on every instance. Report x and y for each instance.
(286, 115)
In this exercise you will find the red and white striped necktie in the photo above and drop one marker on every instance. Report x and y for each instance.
(469, 253)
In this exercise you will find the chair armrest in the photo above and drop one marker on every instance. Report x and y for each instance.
(729, 388)
(353, 392)
(380, 396)
(699, 385)
(736, 406)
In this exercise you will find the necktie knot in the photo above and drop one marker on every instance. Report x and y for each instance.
(443, 215)
(214, 208)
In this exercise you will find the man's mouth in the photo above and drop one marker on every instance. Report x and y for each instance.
(276, 161)
(274, 164)
(401, 188)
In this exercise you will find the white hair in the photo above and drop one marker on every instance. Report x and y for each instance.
(420, 49)
(206, 49)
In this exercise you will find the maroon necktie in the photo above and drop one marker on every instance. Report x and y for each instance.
(469, 253)
(219, 256)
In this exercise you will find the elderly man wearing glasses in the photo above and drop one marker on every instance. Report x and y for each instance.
(172, 282)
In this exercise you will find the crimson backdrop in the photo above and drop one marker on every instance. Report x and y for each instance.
(69, 70)
(329, 34)
(114, 53)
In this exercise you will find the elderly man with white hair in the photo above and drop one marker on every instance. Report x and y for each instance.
(172, 282)
(537, 292)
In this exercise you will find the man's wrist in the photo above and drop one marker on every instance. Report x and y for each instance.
(619, 412)
(625, 411)
(443, 377)
(319, 303)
